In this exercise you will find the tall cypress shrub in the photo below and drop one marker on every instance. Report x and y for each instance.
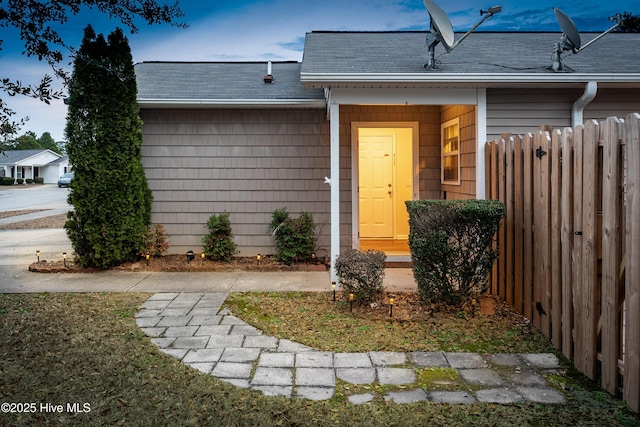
(109, 193)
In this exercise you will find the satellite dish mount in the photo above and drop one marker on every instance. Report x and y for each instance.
(441, 30)
(570, 40)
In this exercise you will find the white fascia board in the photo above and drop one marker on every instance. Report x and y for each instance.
(477, 78)
(232, 103)
(402, 96)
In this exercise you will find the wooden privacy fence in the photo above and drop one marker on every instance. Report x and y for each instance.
(570, 242)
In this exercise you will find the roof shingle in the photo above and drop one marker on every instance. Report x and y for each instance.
(221, 81)
(481, 52)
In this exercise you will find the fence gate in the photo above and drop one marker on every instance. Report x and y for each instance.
(570, 242)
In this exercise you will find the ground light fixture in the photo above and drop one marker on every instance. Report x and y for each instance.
(333, 288)
(147, 256)
(390, 307)
(64, 259)
(202, 257)
(258, 258)
(351, 297)
(38, 255)
(190, 256)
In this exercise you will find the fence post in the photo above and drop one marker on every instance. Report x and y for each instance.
(590, 292)
(632, 274)
(518, 248)
(541, 227)
(495, 176)
(527, 161)
(502, 233)
(576, 249)
(509, 238)
(555, 285)
(611, 240)
(566, 240)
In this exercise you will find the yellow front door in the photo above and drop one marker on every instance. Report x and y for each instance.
(376, 159)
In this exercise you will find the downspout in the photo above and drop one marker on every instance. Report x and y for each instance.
(590, 91)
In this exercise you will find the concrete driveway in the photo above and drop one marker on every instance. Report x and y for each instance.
(18, 247)
(20, 197)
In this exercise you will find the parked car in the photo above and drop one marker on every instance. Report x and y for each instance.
(65, 180)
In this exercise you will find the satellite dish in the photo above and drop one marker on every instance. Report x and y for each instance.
(570, 34)
(441, 27)
(571, 38)
(441, 30)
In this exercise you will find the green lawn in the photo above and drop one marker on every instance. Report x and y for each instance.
(86, 348)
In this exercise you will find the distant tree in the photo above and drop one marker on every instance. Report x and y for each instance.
(37, 20)
(46, 141)
(109, 193)
(28, 141)
(630, 23)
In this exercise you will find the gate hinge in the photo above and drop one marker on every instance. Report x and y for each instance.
(540, 152)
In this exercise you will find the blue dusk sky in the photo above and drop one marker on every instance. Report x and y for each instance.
(255, 30)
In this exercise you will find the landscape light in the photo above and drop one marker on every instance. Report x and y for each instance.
(38, 255)
(202, 256)
(190, 256)
(390, 307)
(147, 256)
(333, 287)
(64, 258)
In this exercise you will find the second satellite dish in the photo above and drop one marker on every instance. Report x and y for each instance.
(571, 38)
(441, 30)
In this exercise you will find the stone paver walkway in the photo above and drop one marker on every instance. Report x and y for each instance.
(192, 328)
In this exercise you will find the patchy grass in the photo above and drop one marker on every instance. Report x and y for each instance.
(86, 348)
(331, 326)
(439, 379)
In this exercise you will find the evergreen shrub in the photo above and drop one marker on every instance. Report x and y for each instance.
(361, 273)
(109, 193)
(450, 242)
(218, 244)
(295, 237)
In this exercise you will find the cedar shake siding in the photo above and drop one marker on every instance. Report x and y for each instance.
(245, 162)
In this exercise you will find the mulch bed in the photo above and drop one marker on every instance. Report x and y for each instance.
(179, 263)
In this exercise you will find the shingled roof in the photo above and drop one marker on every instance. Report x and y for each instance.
(11, 157)
(222, 83)
(482, 57)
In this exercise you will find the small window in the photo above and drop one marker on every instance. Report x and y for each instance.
(450, 133)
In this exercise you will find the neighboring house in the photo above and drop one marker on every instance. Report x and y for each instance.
(362, 110)
(29, 164)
